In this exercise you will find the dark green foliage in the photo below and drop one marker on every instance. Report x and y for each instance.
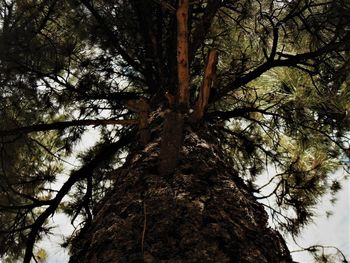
(280, 100)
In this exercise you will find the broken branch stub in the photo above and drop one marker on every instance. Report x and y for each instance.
(208, 79)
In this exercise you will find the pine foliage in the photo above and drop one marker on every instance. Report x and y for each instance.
(280, 100)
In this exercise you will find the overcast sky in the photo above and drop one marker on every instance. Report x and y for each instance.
(332, 231)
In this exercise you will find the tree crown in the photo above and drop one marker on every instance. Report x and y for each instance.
(279, 97)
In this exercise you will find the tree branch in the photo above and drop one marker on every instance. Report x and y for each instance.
(203, 27)
(61, 125)
(106, 152)
(111, 34)
(288, 61)
(242, 112)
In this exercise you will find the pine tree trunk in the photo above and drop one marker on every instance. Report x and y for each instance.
(201, 212)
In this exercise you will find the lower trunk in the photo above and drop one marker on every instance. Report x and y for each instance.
(202, 212)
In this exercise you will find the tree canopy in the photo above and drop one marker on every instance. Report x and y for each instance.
(277, 70)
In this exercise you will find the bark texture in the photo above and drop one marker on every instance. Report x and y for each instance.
(201, 212)
(182, 52)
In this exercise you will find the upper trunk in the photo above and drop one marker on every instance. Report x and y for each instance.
(200, 212)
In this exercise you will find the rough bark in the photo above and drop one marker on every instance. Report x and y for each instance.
(201, 212)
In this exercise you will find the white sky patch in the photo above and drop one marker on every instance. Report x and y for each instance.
(52, 243)
(61, 223)
(332, 231)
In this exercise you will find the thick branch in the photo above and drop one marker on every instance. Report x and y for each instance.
(105, 153)
(287, 61)
(61, 125)
(182, 52)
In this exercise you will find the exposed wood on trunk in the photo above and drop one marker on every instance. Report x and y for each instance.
(173, 120)
(182, 52)
(208, 79)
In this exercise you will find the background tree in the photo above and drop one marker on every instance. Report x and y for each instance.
(244, 85)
